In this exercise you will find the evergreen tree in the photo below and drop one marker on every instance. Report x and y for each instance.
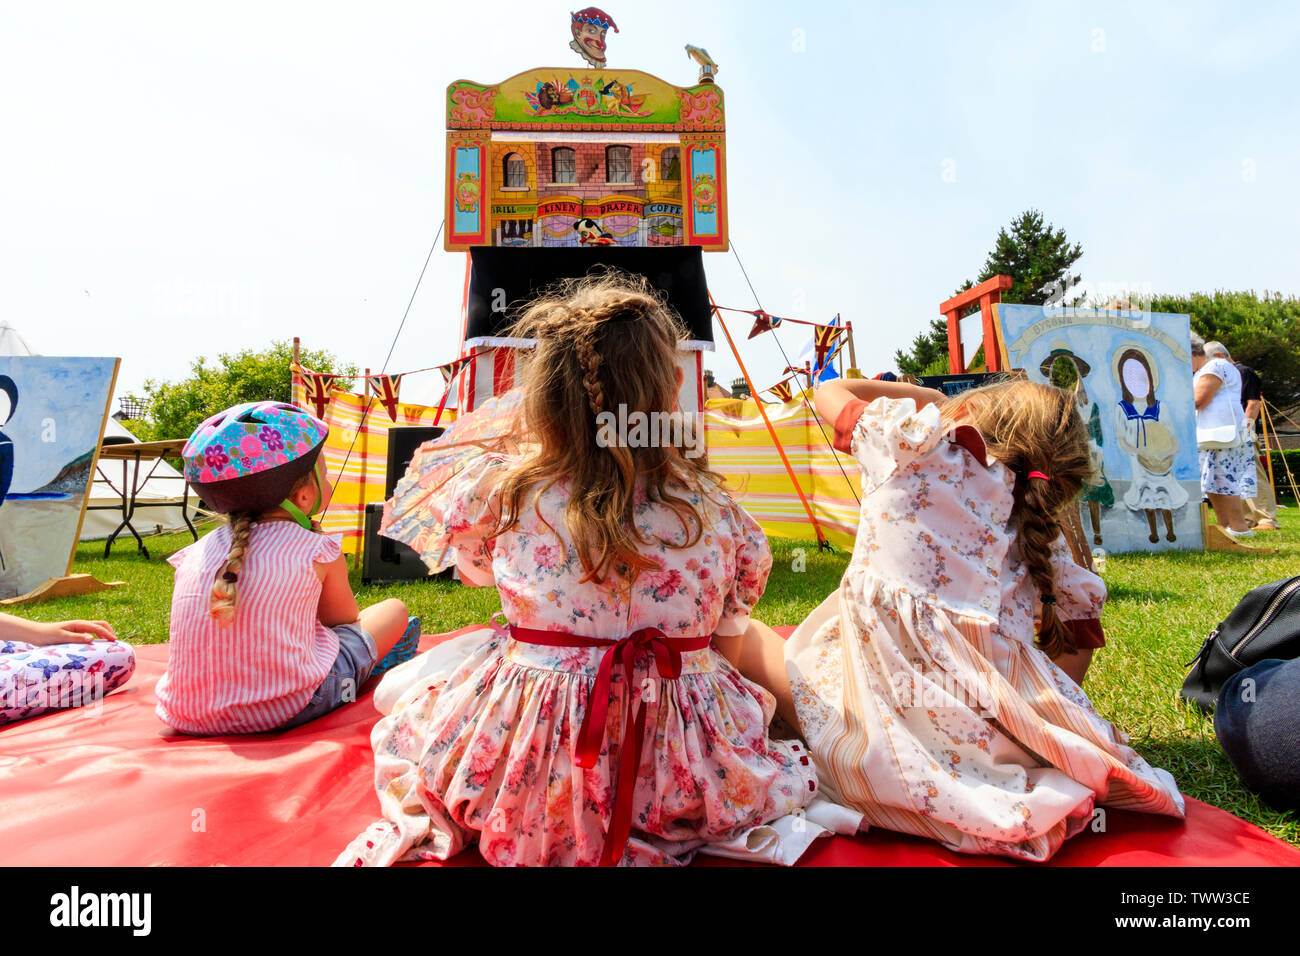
(1038, 258)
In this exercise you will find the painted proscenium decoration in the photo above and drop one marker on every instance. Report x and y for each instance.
(1135, 374)
(587, 156)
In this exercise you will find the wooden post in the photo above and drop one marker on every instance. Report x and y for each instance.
(361, 493)
(853, 371)
(293, 372)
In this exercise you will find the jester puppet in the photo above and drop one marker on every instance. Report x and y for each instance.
(589, 28)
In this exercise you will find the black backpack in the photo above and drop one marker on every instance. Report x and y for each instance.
(1264, 624)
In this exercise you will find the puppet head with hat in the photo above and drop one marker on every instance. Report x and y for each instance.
(589, 26)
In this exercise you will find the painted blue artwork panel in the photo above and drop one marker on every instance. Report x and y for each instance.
(704, 192)
(1135, 374)
(468, 212)
(51, 416)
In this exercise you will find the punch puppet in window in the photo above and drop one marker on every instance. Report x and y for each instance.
(1148, 440)
(1097, 492)
(8, 405)
(589, 27)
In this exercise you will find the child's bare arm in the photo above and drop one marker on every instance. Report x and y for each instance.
(831, 398)
(337, 603)
(46, 633)
(760, 657)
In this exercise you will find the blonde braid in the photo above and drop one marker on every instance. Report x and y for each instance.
(585, 344)
(221, 603)
(1040, 526)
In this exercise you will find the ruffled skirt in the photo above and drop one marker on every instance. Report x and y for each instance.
(937, 725)
(486, 755)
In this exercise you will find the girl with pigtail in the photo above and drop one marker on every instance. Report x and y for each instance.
(938, 687)
(601, 724)
(265, 632)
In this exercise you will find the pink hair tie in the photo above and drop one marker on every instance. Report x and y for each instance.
(1039, 475)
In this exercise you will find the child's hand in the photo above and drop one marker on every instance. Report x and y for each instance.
(70, 632)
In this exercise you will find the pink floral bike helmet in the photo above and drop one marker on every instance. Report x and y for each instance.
(248, 458)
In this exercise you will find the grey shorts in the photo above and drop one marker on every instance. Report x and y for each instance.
(342, 685)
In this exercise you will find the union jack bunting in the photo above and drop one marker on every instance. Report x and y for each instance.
(450, 370)
(824, 337)
(384, 388)
(317, 387)
(782, 390)
(763, 323)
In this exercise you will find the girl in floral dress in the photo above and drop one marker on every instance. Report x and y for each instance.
(601, 724)
(938, 686)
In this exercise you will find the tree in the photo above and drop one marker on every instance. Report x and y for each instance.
(929, 354)
(175, 409)
(1036, 256)
(1262, 332)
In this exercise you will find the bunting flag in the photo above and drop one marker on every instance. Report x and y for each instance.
(317, 387)
(825, 336)
(384, 388)
(782, 390)
(763, 323)
(450, 370)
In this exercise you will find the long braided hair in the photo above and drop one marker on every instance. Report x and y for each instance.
(1034, 428)
(221, 603)
(604, 343)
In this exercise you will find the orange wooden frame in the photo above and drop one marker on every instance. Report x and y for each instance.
(986, 293)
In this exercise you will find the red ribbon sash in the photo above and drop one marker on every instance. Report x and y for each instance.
(667, 653)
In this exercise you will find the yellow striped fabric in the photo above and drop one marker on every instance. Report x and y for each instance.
(741, 449)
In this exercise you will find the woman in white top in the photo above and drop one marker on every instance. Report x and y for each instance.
(1227, 474)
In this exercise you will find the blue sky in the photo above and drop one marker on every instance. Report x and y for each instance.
(183, 179)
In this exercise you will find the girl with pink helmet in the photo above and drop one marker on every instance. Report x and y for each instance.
(265, 631)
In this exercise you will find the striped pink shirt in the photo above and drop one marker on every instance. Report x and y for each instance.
(255, 673)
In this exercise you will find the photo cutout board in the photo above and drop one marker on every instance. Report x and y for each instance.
(1135, 398)
(52, 415)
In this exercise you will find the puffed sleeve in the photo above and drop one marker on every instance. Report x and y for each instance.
(1080, 596)
(449, 524)
(753, 565)
(886, 434)
(327, 550)
(177, 558)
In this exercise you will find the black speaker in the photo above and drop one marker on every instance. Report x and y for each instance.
(383, 559)
(403, 440)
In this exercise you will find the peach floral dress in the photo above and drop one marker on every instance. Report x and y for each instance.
(917, 683)
(487, 754)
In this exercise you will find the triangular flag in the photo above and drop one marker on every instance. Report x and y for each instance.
(452, 368)
(763, 323)
(317, 387)
(782, 390)
(385, 388)
(825, 336)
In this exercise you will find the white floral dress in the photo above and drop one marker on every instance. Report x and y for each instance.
(488, 753)
(917, 684)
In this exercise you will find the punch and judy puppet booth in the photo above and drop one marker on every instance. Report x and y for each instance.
(553, 166)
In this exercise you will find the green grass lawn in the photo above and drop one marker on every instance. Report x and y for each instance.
(1160, 609)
